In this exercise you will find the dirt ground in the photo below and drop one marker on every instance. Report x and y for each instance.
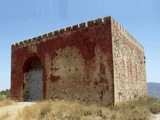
(11, 112)
(154, 117)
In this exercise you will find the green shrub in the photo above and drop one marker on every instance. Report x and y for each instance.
(5, 93)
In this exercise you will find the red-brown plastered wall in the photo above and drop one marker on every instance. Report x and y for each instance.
(77, 64)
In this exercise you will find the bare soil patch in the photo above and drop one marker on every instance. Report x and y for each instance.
(154, 117)
(10, 112)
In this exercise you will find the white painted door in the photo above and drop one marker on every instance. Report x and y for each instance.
(35, 85)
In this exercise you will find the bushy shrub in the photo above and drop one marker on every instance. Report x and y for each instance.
(5, 93)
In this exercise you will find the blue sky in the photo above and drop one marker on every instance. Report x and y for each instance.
(24, 19)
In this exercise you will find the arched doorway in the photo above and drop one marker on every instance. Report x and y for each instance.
(33, 79)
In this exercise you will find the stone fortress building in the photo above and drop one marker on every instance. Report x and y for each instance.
(94, 62)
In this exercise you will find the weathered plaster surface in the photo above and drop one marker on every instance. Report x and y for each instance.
(92, 62)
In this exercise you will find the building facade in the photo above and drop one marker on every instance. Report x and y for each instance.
(94, 62)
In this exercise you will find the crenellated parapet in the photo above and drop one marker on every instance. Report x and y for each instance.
(44, 37)
(98, 56)
(81, 26)
(124, 32)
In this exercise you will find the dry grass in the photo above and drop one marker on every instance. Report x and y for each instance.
(63, 110)
(5, 102)
(3, 117)
(50, 110)
(148, 103)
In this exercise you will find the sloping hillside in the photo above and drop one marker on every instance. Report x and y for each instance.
(153, 89)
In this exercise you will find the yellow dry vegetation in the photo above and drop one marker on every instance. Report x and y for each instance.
(5, 102)
(139, 109)
(65, 110)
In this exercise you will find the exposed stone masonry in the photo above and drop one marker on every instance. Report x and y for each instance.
(93, 62)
